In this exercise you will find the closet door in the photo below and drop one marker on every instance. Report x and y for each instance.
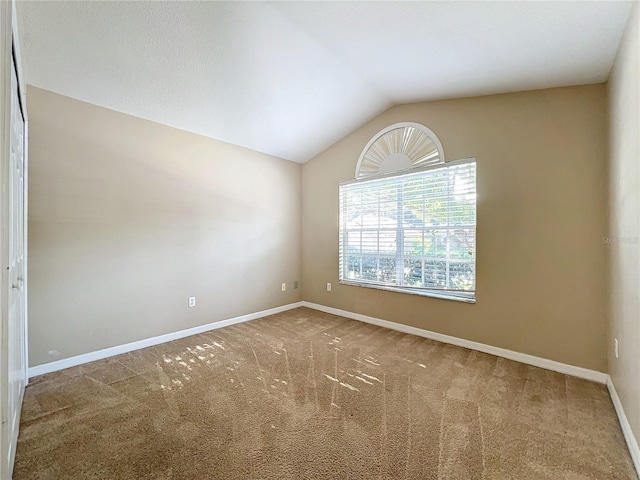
(16, 361)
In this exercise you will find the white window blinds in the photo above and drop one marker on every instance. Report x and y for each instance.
(412, 232)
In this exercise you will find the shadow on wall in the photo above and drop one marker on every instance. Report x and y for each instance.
(126, 223)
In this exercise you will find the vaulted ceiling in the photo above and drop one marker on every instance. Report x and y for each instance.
(292, 78)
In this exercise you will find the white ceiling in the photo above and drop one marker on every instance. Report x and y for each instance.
(291, 78)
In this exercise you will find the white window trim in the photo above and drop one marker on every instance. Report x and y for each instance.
(444, 294)
(433, 293)
(409, 171)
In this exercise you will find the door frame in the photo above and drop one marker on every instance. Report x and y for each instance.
(10, 58)
(22, 93)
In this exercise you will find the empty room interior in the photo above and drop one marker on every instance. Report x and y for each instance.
(320, 240)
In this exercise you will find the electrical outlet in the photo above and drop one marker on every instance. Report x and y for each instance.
(295, 285)
(328, 287)
(284, 287)
(192, 302)
(615, 346)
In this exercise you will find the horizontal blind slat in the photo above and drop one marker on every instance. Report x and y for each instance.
(415, 230)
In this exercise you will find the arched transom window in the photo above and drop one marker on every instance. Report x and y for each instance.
(408, 219)
(400, 146)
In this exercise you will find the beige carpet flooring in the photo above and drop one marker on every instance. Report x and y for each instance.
(307, 395)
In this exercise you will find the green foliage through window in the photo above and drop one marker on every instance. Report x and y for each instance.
(411, 231)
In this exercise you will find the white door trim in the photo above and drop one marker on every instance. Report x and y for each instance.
(6, 63)
(22, 88)
(9, 50)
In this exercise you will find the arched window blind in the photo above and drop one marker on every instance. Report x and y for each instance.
(412, 231)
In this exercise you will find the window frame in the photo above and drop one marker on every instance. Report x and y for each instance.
(466, 296)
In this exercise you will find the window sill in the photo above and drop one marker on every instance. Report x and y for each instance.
(411, 291)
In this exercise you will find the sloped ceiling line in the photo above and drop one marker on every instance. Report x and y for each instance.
(291, 78)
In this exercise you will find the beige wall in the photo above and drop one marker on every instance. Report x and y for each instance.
(128, 218)
(541, 264)
(624, 225)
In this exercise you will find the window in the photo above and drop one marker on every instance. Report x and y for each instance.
(413, 231)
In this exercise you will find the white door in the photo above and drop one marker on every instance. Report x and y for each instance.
(16, 341)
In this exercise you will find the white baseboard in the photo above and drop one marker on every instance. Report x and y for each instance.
(461, 342)
(149, 342)
(574, 371)
(629, 437)
(579, 372)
